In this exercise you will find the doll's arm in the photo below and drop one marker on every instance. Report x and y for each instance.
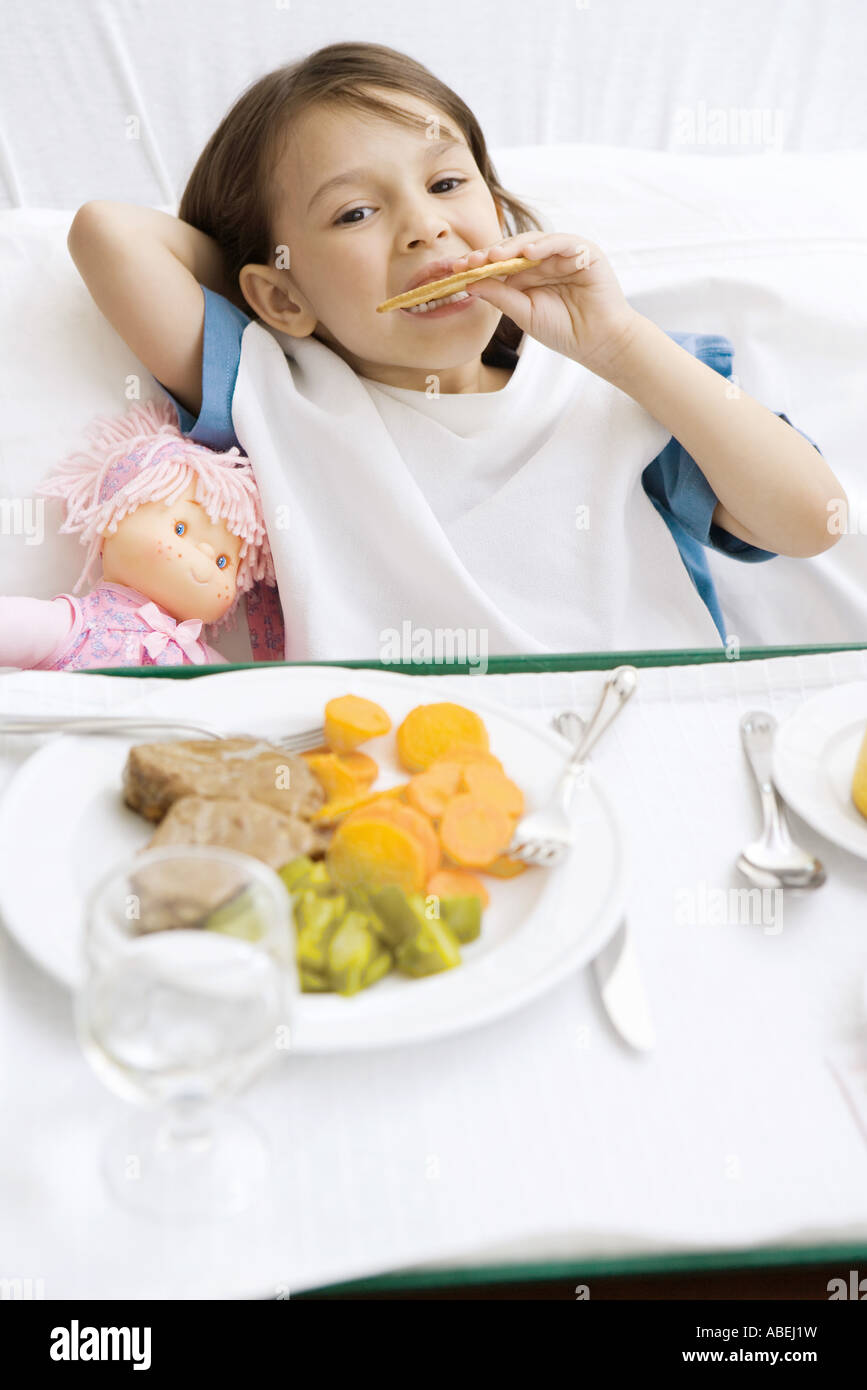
(32, 628)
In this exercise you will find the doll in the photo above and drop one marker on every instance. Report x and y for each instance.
(180, 533)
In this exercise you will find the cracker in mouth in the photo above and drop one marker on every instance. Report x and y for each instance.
(441, 289)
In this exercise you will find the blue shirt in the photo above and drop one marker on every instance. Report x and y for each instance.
(673, 480)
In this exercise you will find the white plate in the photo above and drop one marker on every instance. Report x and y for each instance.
(815, 751)
(63, 824)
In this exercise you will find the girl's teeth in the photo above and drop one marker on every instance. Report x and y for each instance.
(438, 303)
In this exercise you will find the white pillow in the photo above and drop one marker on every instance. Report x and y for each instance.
(770, 250)
(63, 363)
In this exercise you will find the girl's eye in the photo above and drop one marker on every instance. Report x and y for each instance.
(222, 561)
(180, 528)
(341, 221)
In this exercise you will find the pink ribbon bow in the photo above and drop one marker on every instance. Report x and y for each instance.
(166, 629)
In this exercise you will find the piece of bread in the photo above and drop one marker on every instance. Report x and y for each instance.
(441, 289)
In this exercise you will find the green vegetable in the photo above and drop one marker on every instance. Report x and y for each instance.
(433, 948)
(379, 966)
(360, 899)
(350, 952)
(294, 873)
(317, 920)
(348, 940)
(401, 914)
(318, 878)
(313, 983)
(238, 917)
(312, 908)
(463, 915)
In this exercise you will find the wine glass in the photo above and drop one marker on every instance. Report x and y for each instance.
(189, 969)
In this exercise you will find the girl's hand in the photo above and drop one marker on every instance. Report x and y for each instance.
(572, 301)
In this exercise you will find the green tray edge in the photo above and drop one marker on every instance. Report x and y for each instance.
(653, 1264)
(662, 1263)
(502, 665)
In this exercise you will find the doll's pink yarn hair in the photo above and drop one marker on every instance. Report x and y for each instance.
(143, 457)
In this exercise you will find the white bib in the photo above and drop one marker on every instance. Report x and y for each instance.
(518, 513)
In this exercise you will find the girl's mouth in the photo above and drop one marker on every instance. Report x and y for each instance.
(452, 304)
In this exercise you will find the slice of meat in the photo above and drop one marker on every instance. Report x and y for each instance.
(181, 893)
(156, 775)
(235, 823)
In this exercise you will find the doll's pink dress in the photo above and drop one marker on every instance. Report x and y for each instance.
(117, 626)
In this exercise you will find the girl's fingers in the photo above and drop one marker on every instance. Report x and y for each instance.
(501, 252)
(470, 261)
(565, 245)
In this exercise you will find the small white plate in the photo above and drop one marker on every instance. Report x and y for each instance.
(63, 824)
(815, 752)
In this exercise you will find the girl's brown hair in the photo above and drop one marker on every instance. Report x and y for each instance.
(231, 194)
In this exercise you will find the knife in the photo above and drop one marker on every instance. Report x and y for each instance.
(616, 965)
(619, 979)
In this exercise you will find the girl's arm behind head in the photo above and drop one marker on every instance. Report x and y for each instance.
(143, 269)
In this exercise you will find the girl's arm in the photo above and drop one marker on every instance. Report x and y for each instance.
(144, 268)
(775, 490)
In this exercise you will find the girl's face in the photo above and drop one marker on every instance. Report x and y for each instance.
(176, 555)
(365, 205)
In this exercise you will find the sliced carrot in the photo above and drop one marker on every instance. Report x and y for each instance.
(473, 832)
(376, 852)
(350, 720)
(449, 883)
(335, 810)
(331, 811)
(494, 786)
(339, 781)
(363, 768)
(429, 731)
(429, 791)
(410, 820)
(462, 754)
(506, 867)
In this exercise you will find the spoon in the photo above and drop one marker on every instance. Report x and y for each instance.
(774, 860)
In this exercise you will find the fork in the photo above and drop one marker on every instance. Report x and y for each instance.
(124, 723)
(545, 836)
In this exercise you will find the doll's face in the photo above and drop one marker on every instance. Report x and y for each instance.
(176, 555)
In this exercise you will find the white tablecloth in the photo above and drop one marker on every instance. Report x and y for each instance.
(536, 1137)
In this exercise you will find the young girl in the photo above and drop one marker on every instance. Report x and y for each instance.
(536, 466)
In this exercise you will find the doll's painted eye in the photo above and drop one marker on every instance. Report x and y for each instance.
(180, 528)
(222, 561)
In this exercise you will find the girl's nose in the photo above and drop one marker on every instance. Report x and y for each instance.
(206, 549)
